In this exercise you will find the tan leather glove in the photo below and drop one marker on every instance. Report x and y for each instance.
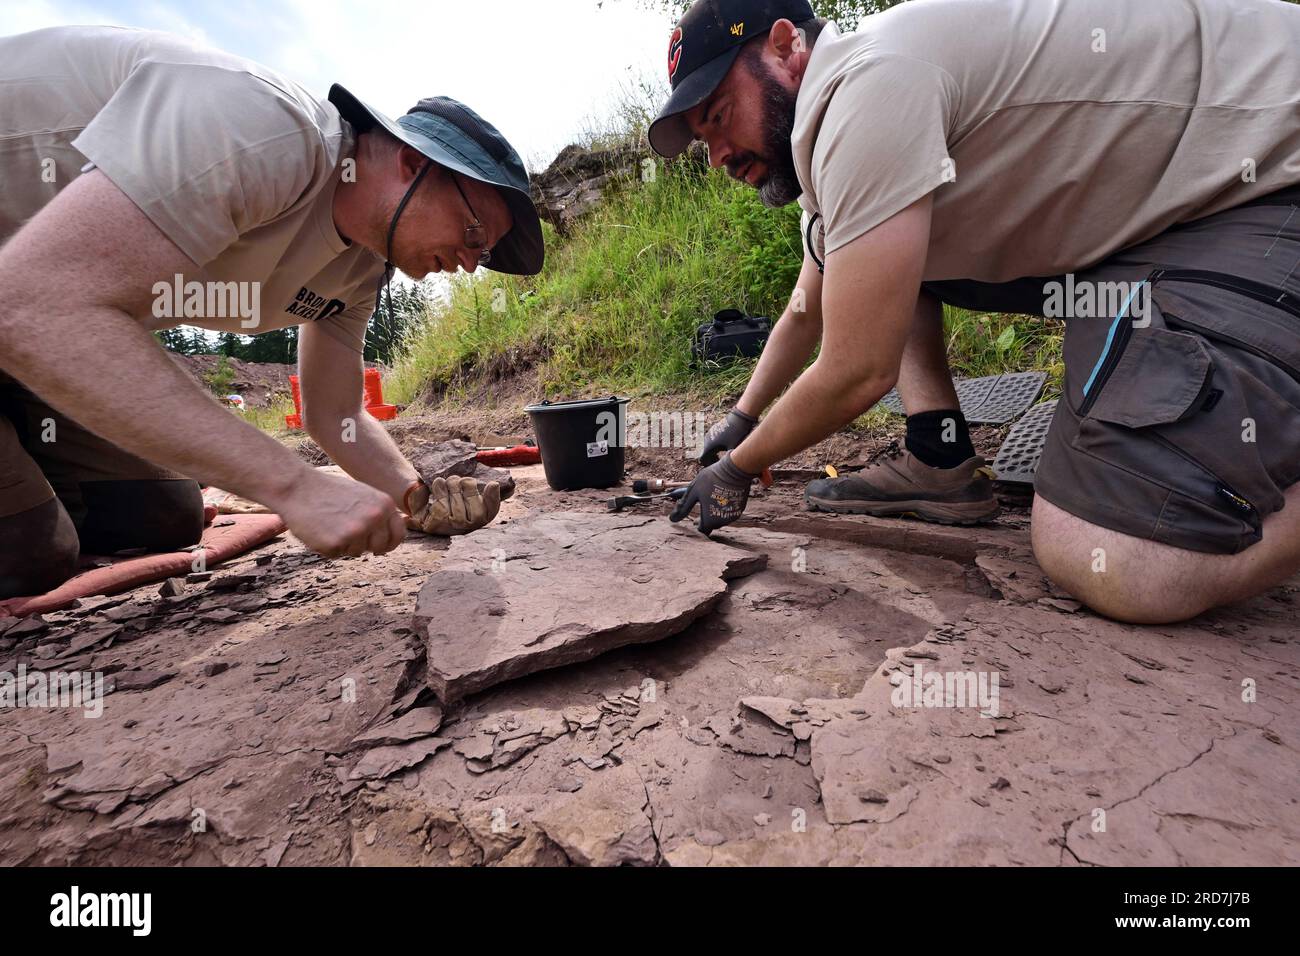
(452, 505)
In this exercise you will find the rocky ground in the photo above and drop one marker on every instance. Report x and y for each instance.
(280, 712)
(259, 383)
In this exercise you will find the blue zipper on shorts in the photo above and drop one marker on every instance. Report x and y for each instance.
(1111, 351)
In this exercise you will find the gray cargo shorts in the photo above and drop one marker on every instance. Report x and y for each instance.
(1180, 421)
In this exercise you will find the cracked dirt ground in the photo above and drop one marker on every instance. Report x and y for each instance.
(278, 714)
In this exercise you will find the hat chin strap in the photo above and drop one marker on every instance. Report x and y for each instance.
(386, 279)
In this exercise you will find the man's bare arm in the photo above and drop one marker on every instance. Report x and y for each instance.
(792, 341)
(72, 282)
(331, 378)
(868, 304)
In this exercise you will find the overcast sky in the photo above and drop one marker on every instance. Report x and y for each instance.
(537, 69)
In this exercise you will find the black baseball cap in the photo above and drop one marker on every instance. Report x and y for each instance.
(453, 135)
(702, 49)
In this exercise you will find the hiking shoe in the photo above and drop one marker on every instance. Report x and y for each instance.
(901, 484)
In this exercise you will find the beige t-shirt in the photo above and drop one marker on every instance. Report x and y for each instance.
(1051, 132)
(235, 164)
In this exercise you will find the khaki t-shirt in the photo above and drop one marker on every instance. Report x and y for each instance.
(1051, 132)
(235, 164)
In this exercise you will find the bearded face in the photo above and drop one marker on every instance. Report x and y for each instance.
(781, 186)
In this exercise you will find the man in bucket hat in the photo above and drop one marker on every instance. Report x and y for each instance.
(1087, 160)
(149, 182)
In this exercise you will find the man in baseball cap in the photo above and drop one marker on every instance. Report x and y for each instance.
(151, 182)
(1043, 157)
(702, 51)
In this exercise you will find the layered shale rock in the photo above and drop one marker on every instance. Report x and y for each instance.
(561, 588)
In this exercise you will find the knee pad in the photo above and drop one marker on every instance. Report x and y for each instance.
(154, 515)
(38, 550)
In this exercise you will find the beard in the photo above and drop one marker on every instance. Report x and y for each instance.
(782, 184)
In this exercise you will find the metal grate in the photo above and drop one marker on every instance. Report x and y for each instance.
(992, 400)
(1017, 459)
(893, 402)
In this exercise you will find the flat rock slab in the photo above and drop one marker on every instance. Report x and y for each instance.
(564, 587)
(889, 534)
(380, 763)
(1106, 744)
(607, 827)
(412, 726)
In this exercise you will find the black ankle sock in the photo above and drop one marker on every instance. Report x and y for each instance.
(926, 433)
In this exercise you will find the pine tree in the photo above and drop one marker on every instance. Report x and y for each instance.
(230, 345)
(279, 346)
(411, 303)
(174, 340)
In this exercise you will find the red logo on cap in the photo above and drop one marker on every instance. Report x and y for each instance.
(674, 53)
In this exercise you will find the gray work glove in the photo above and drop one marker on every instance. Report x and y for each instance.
(727, 435)
(721, 491)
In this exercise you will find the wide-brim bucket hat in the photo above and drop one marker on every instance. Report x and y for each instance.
(453, 135)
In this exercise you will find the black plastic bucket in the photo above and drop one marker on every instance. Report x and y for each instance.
(581, 442)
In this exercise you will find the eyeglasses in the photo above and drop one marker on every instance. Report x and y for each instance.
(475, 234)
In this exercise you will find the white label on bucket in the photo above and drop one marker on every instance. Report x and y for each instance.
(597, 449)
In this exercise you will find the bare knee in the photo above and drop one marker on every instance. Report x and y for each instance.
(1125, 578)
(38, 550)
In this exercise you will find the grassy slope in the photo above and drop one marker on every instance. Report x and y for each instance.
(616, 306)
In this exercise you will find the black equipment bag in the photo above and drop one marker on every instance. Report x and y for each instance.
(731, 335)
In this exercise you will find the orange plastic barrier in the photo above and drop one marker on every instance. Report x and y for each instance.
(373, 394)
(295, 421)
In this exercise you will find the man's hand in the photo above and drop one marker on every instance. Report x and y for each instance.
(721, 491)
(452, 505)
(336, 516)
(726, 435)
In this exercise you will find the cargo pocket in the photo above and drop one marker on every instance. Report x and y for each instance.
(1149, 413)
(1155, 378)
(1252, 331)
(1169, 401)
(1239, 313)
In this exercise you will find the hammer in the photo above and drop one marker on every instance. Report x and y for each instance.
(618, 504)
(644, 485)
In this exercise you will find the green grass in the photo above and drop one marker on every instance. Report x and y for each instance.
(619, 300)
(220, 379)
(991, 343)
(616, 306)
(271, 418)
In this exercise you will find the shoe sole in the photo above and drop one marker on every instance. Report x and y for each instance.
(938, 512)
